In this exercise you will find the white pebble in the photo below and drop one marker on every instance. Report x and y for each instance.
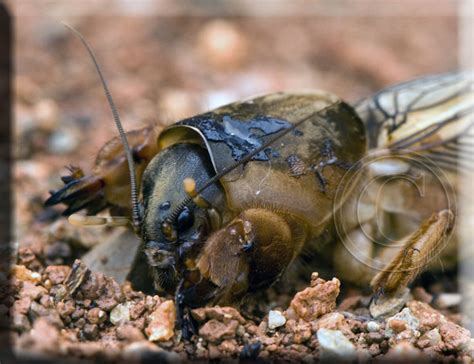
(120, 314)
(333, 345)
(446, 300)
(62, 141)
(275, 319)
(36, 276)
(372, 326)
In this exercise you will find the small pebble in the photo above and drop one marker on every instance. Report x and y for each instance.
(420, 294)
(386, 306)
(374, 337)
(397, 325)
(162, 322)
(91, 332)
(374, 349)
(120, 314)
(215, 331)
(455, 337)
(402, 321)
(46, 113)
(447, 300)
(316, 300)
(222, 43)
(96, 316)
(403, 351)
(429, 339)
(63, 141)
(372, 326)
(129, 333)
(24, 274)
(275, 319)
(333, 345)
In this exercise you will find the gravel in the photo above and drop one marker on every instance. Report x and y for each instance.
(403, 320)
(104, 319)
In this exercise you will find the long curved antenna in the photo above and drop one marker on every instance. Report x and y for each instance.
(136, 212)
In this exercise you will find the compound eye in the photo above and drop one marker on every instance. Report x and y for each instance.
(184, 220)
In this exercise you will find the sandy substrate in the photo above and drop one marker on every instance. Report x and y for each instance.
(59, 312)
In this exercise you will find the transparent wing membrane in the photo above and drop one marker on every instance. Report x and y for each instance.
(433, 116)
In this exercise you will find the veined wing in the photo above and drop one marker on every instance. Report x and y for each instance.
(433, 116)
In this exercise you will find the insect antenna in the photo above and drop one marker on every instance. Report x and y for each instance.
(136, 212)
(244, 160)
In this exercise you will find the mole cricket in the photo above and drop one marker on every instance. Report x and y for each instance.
(223, 202)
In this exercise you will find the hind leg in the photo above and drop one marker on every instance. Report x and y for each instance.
(418, 250)
(392, 267)
(108, 185)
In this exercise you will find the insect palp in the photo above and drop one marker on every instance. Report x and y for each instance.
(189, 185)
(215, 218)
(81, 220)
(184, 248)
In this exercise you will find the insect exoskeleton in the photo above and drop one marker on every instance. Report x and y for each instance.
(241, 232)
(232, 195)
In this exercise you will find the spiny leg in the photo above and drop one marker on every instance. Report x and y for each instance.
(108, 185)
(184, 320)
(419, 248)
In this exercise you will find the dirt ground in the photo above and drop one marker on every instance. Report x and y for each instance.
(161, 69)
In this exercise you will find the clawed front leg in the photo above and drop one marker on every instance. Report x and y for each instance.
(419, 248)
(108, 185)
(250, 253)
(184, 320)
